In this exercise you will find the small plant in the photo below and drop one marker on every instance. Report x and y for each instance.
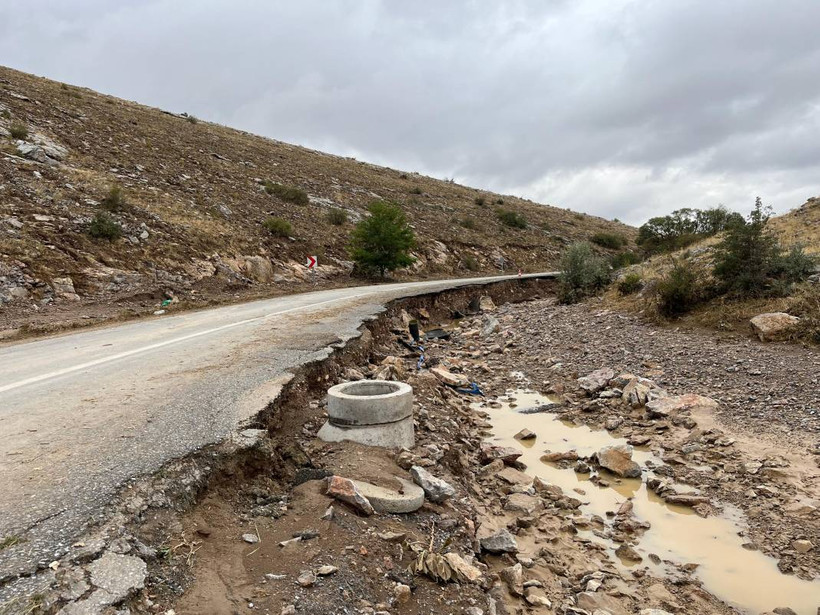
(583, 273)
(5, 114)
(499, 201)
(291, 194)
(624, 259)
(278, 227)
(114, 200)
(104, 227)
(403, 176)
(681, 289)
(382, 241)
(18, 130)
(416, 190)
(611, 241)
(336, 216)
(510, 218)
(468, 223)
(191, 119)
(481, 201)
(630, 284)
(470, 262)
(9, 541)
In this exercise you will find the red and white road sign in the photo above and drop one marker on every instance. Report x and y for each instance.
(312, 261)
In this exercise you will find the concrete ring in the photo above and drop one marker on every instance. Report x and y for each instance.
(369, 402)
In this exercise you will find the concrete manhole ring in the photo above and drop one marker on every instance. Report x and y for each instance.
(369, 402)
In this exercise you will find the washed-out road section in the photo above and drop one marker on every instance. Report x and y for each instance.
(81, 414)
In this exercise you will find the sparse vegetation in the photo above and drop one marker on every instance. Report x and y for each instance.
(191, 119)
(499, 201)
(291, 194)
(9, 541)
(382, 241)
(278, 227)
(337, 216)
(512, 219)
(583, 273)
(18, 130)
(470, 262)
(115, 199)
(611, 241)
(681, 289)
(480, 200)
(5, 114)
(104, 226)
(630, 284)
(468, 223)
(749, 261)
(416, 190)
(624, 259)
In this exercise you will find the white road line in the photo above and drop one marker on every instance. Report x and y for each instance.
(129, 353)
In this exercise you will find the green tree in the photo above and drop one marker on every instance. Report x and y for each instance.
(382, 241)
(582, 273)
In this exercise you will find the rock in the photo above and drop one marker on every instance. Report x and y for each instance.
(345, 491)
(490, 452)
(685, 499)
(491, 326)
(449, 378)
(500, 541)
(402, 593)
(802, 546)
(618, 460)
(250, 538)
(536, 597)
(667, 406)
(64, 289)
(613, 423)
(326, 570)
(773, 326)
(258, 269)
(553, 457)
(525, 434)
(511, 475)
(596, 381)
(436, 489)
(638, 391)
(289, 609)
(784, 611)
(628, 553)
(521, 502)
(654, 612)
(463, 570)
(393, 536)
(485, 304)
(408, 498)
(118, 575)
(46, 152)
(306, 578)
(514, 578)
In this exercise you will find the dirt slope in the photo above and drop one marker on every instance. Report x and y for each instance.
(195, 207)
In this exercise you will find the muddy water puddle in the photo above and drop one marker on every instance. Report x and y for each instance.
(747, 580)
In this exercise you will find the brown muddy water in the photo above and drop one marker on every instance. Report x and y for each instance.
(747, 580)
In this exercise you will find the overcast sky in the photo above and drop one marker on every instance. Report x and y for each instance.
(619, 108)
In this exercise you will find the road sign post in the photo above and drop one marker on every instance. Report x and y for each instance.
(311, 263)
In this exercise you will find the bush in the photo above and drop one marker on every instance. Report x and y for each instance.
(795, 265)
(278, 227)
(337, 217)
(513, 219)
(499, 201)
(382, 241)
(611, 241)
(582, 273)
(114, 200)
(470, 262)
(680, 290)
(630, 284)
(104, 227)
(684, 227)
(468, 223)
(18, 131)
(291, 194)
(624, 259)
(480, 201)
(416, 190)
(191, 119)
(5, 114)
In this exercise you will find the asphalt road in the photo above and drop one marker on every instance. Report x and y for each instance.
(81, 414)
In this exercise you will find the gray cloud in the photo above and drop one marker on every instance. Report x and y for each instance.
(621, 108)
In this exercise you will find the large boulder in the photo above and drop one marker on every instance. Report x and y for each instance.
(773, 326)
(666, 406)
(64, 288)
(618, 460)
(258, 269)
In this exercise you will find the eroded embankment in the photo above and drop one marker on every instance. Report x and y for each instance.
(138, 527)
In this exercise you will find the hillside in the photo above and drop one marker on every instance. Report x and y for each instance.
(195, 203)
(800, 226)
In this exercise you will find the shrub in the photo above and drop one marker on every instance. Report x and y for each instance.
(416, 190)
(481, 201)
(18, 131)
(336, 216)
(114, 200)
(624, 259)
(612, 241)
(499, 201)
(278, 227)
(681, 289)
(468, 223)
(582, 273)
(291, 194)
(382, 241)
(795, 265)
(5, 114)
(191, 119)
(630, 284)
(104, 227)
(749, 260)
(684, 227)
(510, 218)
(470, 262)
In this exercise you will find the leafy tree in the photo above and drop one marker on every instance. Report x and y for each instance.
(684, 227)
(582, 273)
(382, 241)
